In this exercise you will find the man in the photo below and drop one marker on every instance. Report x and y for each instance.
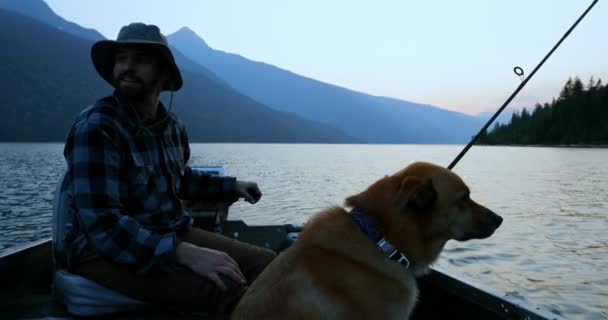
(127, 169)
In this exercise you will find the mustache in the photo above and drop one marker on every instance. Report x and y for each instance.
(130, 76)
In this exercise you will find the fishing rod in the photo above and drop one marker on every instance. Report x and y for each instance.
(518, 71)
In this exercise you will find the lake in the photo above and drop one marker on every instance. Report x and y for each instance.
(551, 250)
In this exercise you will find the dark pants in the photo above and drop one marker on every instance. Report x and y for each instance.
(182, 288)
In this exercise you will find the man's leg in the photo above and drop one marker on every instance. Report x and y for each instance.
(181, 287)
(251, 259)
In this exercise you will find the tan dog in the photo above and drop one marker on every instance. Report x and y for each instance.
(336, 271)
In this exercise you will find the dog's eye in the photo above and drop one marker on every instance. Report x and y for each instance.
(463, 202)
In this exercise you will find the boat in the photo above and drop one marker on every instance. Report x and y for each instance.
(31, 289)
(26, 275)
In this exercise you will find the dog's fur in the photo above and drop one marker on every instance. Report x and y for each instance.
(334, 271)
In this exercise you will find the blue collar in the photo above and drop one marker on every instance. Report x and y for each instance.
(376, 237)
(365, 225)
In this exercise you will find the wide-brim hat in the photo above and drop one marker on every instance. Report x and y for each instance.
(103, 52)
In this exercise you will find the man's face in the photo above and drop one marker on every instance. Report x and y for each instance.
(137, 72)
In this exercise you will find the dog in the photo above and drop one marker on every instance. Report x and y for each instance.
(339, 269)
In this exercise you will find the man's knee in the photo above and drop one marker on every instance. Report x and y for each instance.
(214, 300)
(267, 256)
(263, 257)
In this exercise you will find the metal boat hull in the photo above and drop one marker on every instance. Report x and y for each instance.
(26, 277)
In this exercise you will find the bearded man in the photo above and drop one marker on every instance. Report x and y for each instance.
(127, 168)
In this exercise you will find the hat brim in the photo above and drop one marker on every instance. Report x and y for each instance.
(103, 55)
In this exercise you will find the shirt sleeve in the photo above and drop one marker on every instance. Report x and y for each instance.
(203, 186)
(94, 159)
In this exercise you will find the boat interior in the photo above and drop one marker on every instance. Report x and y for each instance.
(36, 285)
(29, 291)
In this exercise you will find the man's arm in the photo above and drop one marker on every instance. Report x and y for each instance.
(205, 187)
(94, 159)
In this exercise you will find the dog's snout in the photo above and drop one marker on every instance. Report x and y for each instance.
(494, 219)
(498, 220)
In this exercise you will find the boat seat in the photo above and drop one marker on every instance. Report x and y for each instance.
(81, 296)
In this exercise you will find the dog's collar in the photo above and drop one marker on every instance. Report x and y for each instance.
(375, 236)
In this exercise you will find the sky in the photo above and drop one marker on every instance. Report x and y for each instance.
(457, 55)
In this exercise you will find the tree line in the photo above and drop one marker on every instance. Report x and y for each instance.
(578, 116)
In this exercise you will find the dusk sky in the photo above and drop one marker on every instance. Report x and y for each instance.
(457, 55)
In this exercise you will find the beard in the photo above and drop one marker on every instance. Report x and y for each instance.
(135, 87)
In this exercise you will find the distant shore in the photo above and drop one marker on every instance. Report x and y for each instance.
(598, 146)
(595, 146)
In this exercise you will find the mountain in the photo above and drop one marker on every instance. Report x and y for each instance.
(371, 118)
(39, 10)
(47, 78)
(186, 64)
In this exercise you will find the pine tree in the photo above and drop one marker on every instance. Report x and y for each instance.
(578, 116)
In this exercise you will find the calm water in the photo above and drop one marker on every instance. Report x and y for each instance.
(551, 251)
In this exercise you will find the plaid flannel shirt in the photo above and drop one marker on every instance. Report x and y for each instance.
(126, 177)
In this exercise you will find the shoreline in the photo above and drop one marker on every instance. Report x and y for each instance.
(588, 146)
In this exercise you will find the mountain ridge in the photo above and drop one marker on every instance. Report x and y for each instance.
(48, 79)
(352, 115)
(374, 118)
(41, 11)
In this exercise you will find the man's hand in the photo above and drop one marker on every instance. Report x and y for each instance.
(248, 190)
(209, 263)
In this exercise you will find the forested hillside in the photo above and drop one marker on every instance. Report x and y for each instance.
(578, 116)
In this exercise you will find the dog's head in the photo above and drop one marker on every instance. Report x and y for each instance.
(424, 206)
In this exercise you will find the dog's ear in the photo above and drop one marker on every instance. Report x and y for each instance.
(355, 201)
(417, 194)
(371, 196)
